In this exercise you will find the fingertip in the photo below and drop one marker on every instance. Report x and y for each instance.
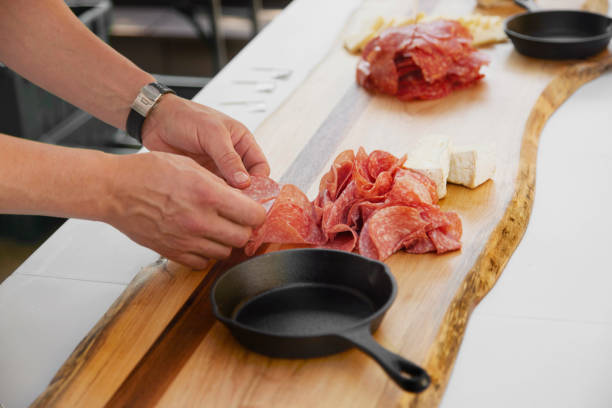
(241, 179)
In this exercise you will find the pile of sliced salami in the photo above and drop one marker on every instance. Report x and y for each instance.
(366, 203)
(420, 61)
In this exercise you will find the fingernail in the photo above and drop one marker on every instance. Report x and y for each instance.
(241, 177)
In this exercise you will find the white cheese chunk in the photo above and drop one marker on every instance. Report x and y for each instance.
(431, 156)
(471, 165)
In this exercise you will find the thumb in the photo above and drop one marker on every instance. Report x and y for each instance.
(230, 163)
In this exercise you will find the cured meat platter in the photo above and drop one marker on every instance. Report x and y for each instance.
(160, 345)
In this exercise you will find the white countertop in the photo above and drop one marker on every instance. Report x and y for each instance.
(540, 338)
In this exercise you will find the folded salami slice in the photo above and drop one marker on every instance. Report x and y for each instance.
(374, 174)
(262, 189)
(387, 229)
(412, 187)
(338, 176)
(292, 219)
(337, 212)
(418, 229)
(447, 237)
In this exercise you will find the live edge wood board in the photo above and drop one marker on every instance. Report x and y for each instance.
(159, 344)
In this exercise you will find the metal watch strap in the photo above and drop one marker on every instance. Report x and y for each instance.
(147, 98)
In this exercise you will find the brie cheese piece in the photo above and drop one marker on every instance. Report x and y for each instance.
(471, 165)
(431, 156)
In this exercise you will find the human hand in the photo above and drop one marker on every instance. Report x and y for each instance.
(172, 205)
(213, 139)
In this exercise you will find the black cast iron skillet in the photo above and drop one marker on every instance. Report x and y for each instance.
(312, 302)
(558, 34)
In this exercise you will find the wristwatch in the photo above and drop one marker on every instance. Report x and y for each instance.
(145, 101)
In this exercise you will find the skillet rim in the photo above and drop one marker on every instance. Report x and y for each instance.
(544, 40)
(231, 323)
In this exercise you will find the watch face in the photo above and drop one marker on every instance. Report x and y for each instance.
(146, 99)
(149, 94)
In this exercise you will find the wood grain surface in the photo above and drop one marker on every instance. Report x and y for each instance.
(159, 345)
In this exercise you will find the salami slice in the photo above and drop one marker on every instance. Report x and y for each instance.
(379, 161)
(262, 189)
(420, 245)
(339, 175)
(292, 219)
(411, 187)
(368, 185)
(337, 212)
(345, 238)
(447, 237)
(390, 227)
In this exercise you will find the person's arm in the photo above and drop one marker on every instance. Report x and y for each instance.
(164, 201)
(46, 43)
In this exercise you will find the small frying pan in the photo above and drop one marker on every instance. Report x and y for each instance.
(558, 34)
(306, 303)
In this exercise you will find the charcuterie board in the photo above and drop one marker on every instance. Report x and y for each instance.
(159, 344)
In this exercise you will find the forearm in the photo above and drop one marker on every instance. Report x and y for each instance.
(41, 179)
(45, 42)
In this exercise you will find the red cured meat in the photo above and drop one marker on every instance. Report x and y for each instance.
(412, 187)
(420, 245)
(345, 238)
(388, 228)
(419, 229)
(367, 203)
(420, 61)
(447, 237)
(292, 219)
(360, 211)
(337, 212)
(262, 189)
(338, 176)
(379, 161)
(369, 186)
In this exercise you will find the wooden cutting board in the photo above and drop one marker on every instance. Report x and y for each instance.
(159, 344)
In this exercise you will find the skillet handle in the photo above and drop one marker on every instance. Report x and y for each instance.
(528, 5)
(406, 374)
